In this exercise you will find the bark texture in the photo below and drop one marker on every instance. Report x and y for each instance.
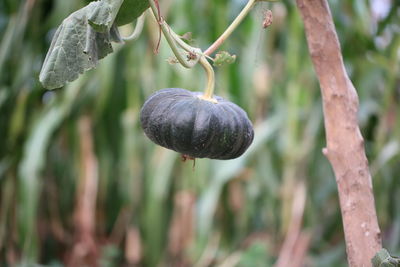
(345, 145)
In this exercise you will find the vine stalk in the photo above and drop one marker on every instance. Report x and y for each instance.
(189, 61)
(168, 36)
(235, 23)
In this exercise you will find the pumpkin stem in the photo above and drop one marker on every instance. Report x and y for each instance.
(209, 90)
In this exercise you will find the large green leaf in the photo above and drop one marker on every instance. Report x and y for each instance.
(77, 46)
(85, 37)
(130, 10)
(103, 15)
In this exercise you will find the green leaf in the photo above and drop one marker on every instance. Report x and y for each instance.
(223, 58)
(103, 14)
(131, 10)
(76, 47)
(383, 259)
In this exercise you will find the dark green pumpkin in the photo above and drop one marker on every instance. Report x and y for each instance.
(178, 119)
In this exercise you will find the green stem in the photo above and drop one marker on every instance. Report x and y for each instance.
(137, 31)
(173, 39)
(167, 34)
(231, 27)
(209, 90)
(181, 43)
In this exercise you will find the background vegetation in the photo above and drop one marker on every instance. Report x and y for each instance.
(79, 181)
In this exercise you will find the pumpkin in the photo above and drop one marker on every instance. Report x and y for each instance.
(183, 121)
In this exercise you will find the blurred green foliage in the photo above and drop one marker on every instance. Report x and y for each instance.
(150, 207)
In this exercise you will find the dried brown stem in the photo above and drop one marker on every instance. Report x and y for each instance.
(181, 230)
(345, 145)
(84, 252)
(295, 246)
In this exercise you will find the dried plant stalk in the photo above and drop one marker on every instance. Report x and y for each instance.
(345, 144)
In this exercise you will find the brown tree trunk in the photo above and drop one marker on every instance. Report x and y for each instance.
(345, 145)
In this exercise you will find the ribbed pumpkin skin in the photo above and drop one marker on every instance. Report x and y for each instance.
(178, 119)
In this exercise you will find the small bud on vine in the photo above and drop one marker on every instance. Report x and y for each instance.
(224, 58)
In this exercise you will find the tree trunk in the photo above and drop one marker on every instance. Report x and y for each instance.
(345, 144)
